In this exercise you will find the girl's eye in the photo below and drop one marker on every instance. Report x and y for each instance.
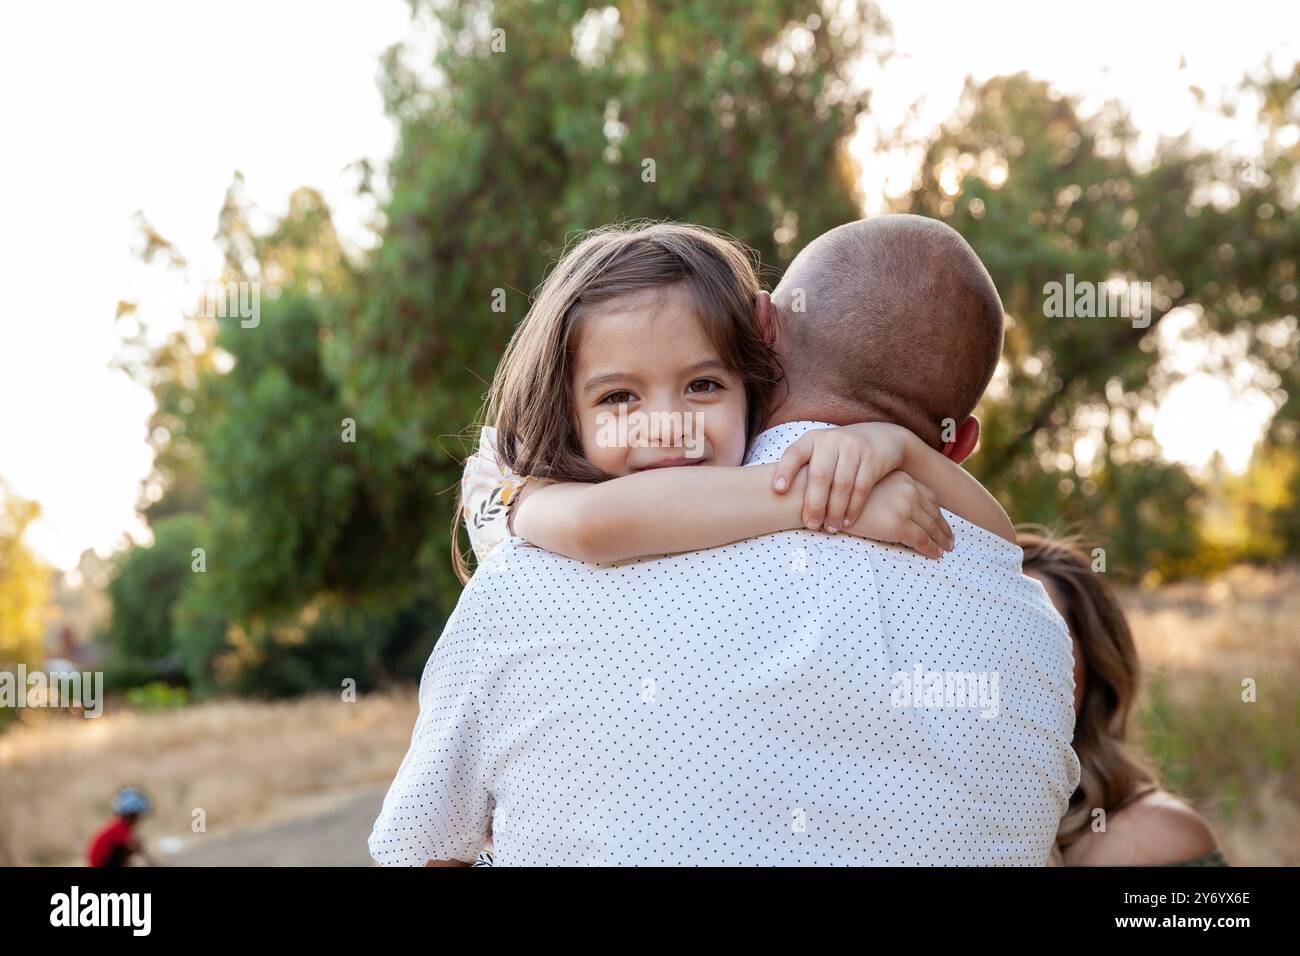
(710, 386)
(621, 397)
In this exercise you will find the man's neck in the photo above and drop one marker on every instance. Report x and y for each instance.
(827, 413)
(837, 414)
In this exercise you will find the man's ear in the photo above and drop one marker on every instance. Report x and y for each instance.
(765, 318)
(963, 443)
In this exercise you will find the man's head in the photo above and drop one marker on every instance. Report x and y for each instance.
(889, 319)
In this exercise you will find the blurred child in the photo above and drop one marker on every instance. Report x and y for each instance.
(115, 844)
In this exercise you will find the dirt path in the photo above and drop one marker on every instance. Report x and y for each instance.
(332, 833)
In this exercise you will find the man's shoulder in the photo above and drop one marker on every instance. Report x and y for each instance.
(983, 555)
(979, 554)
(515, 561)
(984, 566)
(519, 581)
(984, 569)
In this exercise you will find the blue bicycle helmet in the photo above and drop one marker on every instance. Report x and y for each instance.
(131, 800)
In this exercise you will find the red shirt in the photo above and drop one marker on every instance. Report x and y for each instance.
(115, 834)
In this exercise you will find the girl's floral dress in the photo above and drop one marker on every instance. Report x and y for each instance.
(487, 490)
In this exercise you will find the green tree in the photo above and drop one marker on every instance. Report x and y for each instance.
(1042, 192)
(250, 429)
(147, 584)
(527, 128)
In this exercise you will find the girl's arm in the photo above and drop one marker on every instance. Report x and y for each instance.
(667, 510)
(957, 489)
(661, 511)
(844, 464)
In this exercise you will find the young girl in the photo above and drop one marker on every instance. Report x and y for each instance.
(640, 360)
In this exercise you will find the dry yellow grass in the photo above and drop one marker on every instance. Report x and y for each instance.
(241, 762)
(1237, 762)
(247, 763)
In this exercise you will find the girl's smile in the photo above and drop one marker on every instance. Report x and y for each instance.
(645, 356)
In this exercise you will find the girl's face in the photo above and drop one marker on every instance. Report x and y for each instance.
(649, 389)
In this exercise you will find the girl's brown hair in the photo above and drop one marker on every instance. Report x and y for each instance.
(1112, 773)
(531, 401)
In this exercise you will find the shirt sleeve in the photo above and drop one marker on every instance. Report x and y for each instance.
(487, 489)
(439, 805)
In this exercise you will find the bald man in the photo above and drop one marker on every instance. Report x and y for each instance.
(798, 698)
(891, 319)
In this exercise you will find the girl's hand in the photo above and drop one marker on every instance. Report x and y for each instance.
(901, 510)
(844, 464)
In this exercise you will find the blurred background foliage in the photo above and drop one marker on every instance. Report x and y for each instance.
(326, 557)
(24, 581)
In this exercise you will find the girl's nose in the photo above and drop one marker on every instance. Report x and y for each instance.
(666, 426)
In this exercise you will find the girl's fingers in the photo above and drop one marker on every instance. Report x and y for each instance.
(846, 471)
(821, 472)
(920, 540)
(931, 525)
(861, 492)
(795, 457)
(931, 506)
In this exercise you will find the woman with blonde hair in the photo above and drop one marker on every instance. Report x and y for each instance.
(1119, 816)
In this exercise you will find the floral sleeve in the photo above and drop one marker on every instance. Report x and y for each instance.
(487, 489)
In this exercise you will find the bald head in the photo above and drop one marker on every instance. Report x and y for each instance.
(888, 319)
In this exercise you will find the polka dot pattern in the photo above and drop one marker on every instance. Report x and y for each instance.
(735, 706)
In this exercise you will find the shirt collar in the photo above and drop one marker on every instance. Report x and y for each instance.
(768, 446)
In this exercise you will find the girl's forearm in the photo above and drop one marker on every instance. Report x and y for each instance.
(661, 511)
(955, 489)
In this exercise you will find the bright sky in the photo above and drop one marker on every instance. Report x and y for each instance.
(152, 106)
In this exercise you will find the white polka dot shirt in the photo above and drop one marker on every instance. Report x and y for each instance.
(789, 699)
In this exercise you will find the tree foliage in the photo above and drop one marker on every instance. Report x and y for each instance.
(312, 455)
(24, 583)
(1043, 192)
